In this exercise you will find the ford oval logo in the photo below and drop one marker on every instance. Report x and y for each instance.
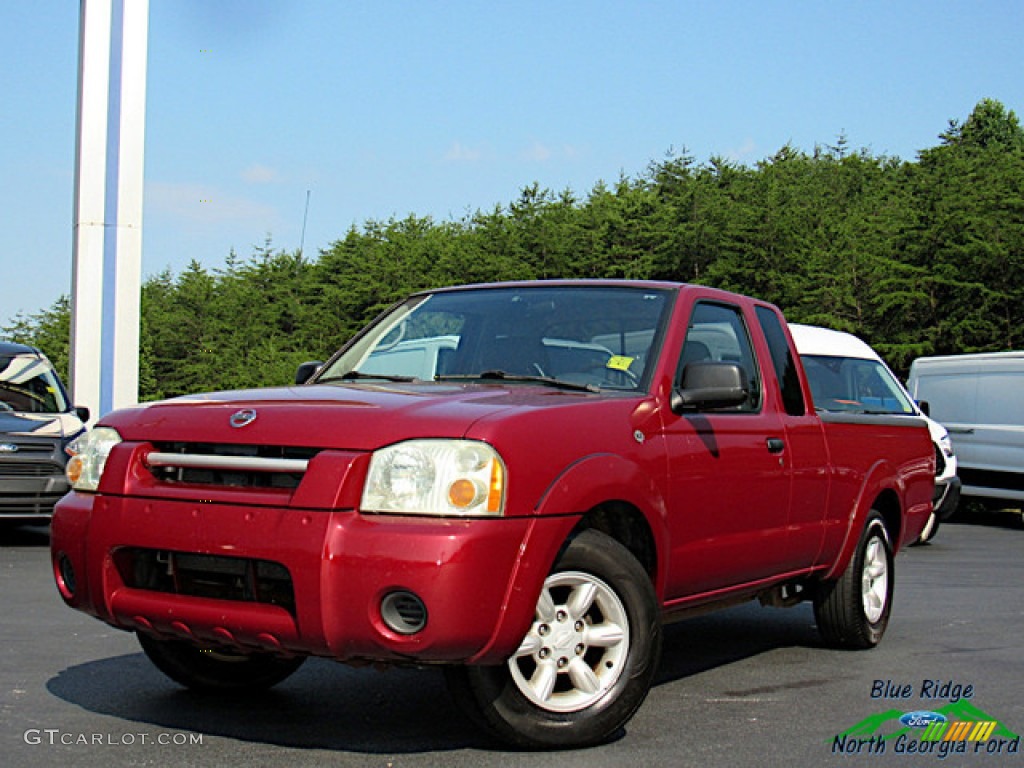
(242, 418)
(922, 718)
(8, 448)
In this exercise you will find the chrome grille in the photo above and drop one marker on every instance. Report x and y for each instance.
(242, 466)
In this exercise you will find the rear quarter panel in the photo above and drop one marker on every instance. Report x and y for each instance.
(880, 462)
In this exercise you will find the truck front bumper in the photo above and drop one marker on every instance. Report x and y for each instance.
(336, 584)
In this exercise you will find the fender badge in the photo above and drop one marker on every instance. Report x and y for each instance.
(242, 418)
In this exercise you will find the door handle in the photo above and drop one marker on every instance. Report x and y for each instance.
(775, 445)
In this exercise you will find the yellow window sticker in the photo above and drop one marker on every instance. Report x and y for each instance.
(619, 362)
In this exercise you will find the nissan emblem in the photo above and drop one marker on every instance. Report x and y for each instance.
(242, 418)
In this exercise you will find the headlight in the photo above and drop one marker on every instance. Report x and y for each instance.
(436, 477)
(947, 445)
(88, 457)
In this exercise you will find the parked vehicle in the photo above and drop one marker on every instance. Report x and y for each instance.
(592, 460)
(36, 425)
(978, 399)
(846, 374)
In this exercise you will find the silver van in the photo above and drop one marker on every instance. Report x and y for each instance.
(36, 423)
(980, 400)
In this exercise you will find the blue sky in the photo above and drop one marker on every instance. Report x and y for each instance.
(387, 108)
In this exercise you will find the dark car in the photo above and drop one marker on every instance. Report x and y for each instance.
(36, 423)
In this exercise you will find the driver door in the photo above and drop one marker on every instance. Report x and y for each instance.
(729, 490)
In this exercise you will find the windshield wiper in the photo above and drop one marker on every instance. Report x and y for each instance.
(548, 381)
(358, 375)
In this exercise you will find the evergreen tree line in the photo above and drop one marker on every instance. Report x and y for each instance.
(916, 257)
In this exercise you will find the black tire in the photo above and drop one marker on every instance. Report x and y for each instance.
(587, 662)
(217, 670)
(853, 611)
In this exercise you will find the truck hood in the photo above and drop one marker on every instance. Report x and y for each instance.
(349, 416)
(54, 425)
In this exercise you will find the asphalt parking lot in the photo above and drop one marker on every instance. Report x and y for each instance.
(751, 686)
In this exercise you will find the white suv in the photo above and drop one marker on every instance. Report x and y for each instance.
(846, 374)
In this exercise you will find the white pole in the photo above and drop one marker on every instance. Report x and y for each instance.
(121, 321)
(106, 277)
(90, 194)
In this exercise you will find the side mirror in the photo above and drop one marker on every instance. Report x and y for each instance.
(306, 370)
(926, 409)
(82, 413)
(708, 385)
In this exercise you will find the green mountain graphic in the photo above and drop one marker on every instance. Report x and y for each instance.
(879, 724)
(872, 724)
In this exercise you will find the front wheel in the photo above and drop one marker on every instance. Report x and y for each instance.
(853, 611)
(210, 669)
(587, 661)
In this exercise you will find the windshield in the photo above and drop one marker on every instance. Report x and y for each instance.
(28, 384)
(590, 336)
(854, 384)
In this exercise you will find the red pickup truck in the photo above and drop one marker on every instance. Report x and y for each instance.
(521, 482)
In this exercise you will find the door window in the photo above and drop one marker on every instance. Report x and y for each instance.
(717, 332)
(783, 361)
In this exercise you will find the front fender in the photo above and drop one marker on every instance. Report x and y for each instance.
(606, 477)
(581, 487)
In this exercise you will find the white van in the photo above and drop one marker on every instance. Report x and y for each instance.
(846, 374)
(980, 400)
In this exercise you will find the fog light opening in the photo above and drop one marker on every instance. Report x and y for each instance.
(403, 612)
(66, 574)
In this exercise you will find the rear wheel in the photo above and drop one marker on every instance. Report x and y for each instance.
(853, 611)
(587, 661)
(210, 669)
